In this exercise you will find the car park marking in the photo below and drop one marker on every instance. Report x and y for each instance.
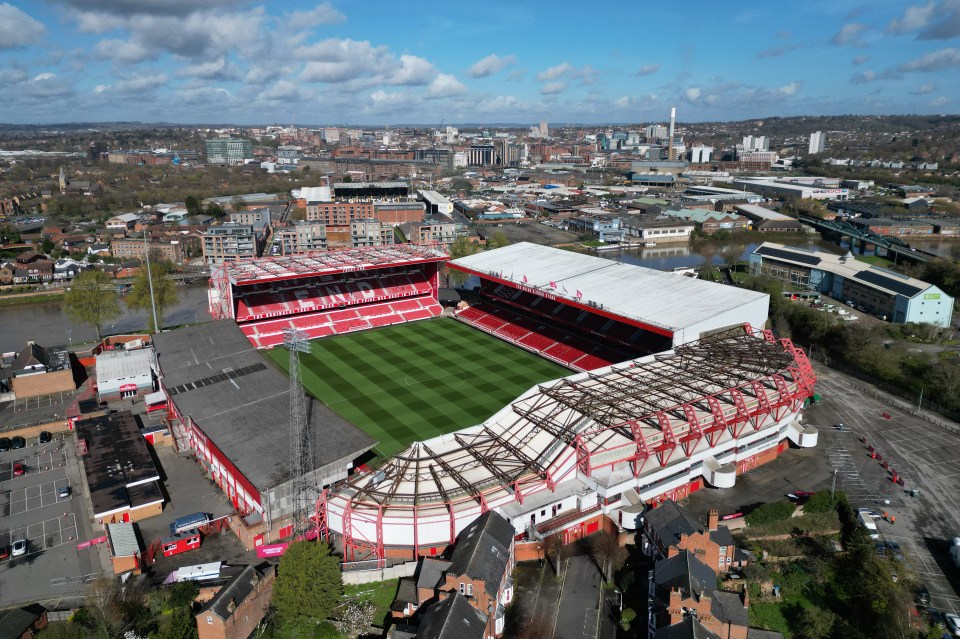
(34, 464)
(23, 500)
(46, 534)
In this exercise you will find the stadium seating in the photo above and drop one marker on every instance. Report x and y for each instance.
(308, 296)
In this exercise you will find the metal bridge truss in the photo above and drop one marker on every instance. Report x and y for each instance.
(727, 382)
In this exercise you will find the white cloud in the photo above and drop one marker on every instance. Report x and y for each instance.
(789, 89)
(923, 89)
(552, 88)
(205, 96)
(45, 85)
(934, 61)
(413, 71)
(101, 88)
(321, 14)
(218, 69)
(445, 86)
(282, 90)
(936, 102)
(914, 18)
(850, 34)
(123, 51)
(12, 76)
(489, 65)
(692, 94)
(557, 71)
(140, 83)
(17, 29)
(863, 77)
(648, 69)
(861, 59)
(260, 74)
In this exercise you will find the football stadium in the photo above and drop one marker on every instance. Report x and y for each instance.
(563, 391)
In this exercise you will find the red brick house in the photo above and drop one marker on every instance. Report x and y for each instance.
(239, 606)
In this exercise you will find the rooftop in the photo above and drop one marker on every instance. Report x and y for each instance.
(452, 618)
(117, 462)
(225, 602)
(122, 364)
(317, 263)
(640, 295)
(482, 550)
(240, 402)
(875, 277)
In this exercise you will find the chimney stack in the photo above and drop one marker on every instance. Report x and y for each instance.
(673, 121)
(713, 519)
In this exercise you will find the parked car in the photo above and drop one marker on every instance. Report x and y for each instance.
(4, 444)
(19, 547)
(64, 492)
(4, 552)
(881, 549)
(17, 442)
(18, 469)
(45, 437)
(953, 623)
(923, 596)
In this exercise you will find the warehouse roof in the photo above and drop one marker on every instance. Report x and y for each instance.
(876, 277)
(646, 296)
(762, 213)
(124, 364)
(213, 374)
(123, 540)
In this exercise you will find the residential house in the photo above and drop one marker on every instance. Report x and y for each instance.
(671, 528)
(689, 628)
(237, 608)
(22, 623)
(124, 221)
(453, 618)
(35, 272)
(42, 371)
(7, 269)
(66, 269)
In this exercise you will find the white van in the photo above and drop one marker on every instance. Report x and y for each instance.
(867, 522)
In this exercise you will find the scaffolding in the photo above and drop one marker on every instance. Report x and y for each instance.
(634, 416)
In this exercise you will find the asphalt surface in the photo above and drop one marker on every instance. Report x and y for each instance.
(580, 600)
(925, 455)
(53, 571)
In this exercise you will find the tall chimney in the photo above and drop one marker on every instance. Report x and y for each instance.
(673, 121)
(713, 519)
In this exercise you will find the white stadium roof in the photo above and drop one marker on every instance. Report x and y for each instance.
(654, 298)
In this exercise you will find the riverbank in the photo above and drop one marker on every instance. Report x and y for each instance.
(34, 297)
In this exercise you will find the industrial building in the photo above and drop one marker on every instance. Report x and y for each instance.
(126, 373)
(229, 406)
(876, 290)
(783, 189)
(39, 370)
(229, 151)
(767, 221)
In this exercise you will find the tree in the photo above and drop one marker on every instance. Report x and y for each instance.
(164, 293)
(92, 299)
(308, 587)
(497, 240)
(46, 246)
(354, 618)
(182, 625)
(193, 205)
(215, 210)
(461, 247)
(236, 204)
(815, 623)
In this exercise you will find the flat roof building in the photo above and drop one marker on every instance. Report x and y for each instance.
(126, 373)
(879, 291)
(765, 220)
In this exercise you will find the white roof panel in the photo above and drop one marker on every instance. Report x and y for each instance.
(648, 296)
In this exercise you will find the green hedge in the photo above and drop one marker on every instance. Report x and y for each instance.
(766, 513)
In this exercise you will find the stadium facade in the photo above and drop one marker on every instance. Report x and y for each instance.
(597, 444)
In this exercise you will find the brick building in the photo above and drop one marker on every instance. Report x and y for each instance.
(40, 371)
(22, 623)
(239, 606)
(174, 251)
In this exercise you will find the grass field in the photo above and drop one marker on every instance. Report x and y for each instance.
(415, 381)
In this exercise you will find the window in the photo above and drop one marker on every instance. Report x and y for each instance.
(469, 590)
(723, 550)
(463, 589)
(210, 619)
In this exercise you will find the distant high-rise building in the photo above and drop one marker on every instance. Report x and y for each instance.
(229, 151)
(481, 155)
(656, 132)
(700, 154)
(818, 142)
(544, 130)
(756, 143)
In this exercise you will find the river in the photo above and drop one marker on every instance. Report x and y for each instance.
(47, 324)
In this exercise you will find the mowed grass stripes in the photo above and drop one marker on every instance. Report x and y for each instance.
(415, 381)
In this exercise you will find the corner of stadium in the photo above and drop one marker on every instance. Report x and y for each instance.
(569, 393)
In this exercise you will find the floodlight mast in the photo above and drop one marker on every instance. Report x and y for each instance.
(301, 451)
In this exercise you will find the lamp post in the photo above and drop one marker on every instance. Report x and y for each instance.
(620, 599)
(70, 336)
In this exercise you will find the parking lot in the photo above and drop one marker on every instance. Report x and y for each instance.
(52, 570)
(924, 455)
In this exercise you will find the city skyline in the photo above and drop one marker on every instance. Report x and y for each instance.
(247, 62)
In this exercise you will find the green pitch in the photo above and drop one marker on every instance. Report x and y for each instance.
(415, 381)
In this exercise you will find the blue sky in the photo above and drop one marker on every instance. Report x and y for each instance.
(377, 62)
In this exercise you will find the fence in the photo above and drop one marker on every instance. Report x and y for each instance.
(365, 572)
